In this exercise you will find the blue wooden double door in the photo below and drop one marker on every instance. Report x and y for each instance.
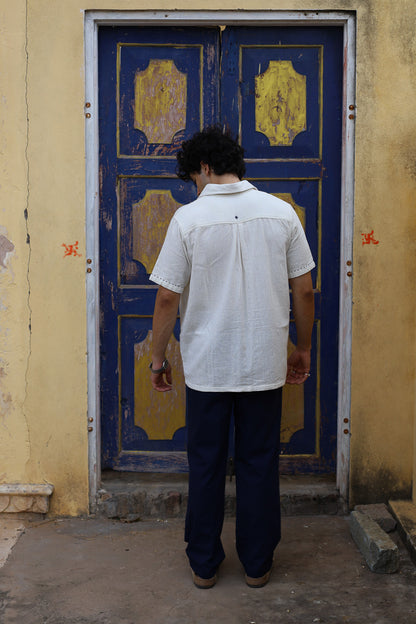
(279, 90)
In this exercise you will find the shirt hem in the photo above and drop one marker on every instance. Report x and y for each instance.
(302, 270)
(168, 285)
(256, 388)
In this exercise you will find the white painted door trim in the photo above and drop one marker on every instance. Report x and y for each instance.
(94, 19)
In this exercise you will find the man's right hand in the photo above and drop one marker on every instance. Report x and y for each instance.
(162, 382)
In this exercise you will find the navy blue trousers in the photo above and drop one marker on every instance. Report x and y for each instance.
(257, 445)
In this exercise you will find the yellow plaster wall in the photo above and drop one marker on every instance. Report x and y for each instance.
(43, 374)
(383, 400)
(14, 313)
(44, 385)
(414, 461)
(58, 374)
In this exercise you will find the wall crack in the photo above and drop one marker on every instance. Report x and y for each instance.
(28, 242)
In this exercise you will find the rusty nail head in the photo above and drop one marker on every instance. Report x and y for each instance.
(89, 261)
(345, 420)
(349, 116)
(88, 115)
(349, 273)
(349, 263)
(92, 419)
(90, 429)
(88, 105)
(89, 270)
(351, 107)
(346, 431)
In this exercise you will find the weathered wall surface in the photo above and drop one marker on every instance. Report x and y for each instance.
(14, 251)
(384, 298)
(43, 374)
(43, 384)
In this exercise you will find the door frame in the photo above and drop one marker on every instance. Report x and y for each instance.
(92, 21)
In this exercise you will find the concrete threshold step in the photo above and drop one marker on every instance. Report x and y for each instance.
(404, 511)
(133, 496)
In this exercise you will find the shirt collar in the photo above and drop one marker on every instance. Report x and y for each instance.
(222, 189)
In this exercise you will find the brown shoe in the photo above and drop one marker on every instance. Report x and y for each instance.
(202, 583)
(259, 581)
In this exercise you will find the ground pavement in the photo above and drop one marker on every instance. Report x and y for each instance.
(100, 571)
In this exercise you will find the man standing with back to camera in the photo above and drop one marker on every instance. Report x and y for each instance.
(228, 259)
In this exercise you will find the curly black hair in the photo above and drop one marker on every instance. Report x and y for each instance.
(216, 148)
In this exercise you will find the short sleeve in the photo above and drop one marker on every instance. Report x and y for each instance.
(172, 268)
(299, 256)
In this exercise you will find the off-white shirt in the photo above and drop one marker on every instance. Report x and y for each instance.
(230, 254)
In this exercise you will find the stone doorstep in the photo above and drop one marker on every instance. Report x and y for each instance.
(404, 511)
(378, 549)
(380, 514)
(132, 497)
(21, 497)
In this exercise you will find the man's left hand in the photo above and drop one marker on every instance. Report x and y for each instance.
(298, 366)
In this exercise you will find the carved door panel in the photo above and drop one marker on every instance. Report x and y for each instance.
(157, 88)
(280, 91)
(282, 96)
